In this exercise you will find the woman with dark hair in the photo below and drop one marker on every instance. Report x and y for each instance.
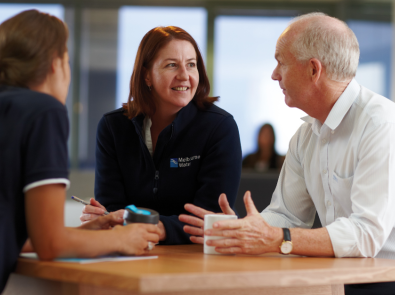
(169, 145)
(266, 157)
(34, 81)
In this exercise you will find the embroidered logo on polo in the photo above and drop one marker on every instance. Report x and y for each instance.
(173, 163)
(182, 162)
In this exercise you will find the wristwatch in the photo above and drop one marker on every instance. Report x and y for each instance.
(286, 245)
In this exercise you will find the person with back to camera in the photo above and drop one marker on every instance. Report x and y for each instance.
(340, 162)
(34, 80)
(265, 158)
(170, 144)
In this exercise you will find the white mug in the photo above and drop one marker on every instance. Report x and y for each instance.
(209, 219)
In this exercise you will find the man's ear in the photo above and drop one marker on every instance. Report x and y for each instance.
(147, 77)
(315, 68)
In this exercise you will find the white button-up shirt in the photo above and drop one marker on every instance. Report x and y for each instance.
(344, 169)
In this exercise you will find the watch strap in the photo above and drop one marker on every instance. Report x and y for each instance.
(287, 234)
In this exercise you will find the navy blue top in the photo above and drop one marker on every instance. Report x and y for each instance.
(196, 158)
(33, 147)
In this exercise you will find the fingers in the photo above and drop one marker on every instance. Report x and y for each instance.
(192, 220)
(230, 250)
(89, 209)
(234, 234)
(102, 222)
(134, 238)
(152, 237)
(224, 243)
(162, 230)
(112, 219)
(224, 204)
(149, 228)
(95, 203)
(195, 210)
(249, 204)
(88, 217)
(228, 246)
(196, 240)
(194, 231)
(227, 224)
(119, 213)
(150, 246)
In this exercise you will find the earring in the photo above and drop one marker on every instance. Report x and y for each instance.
(149, 87)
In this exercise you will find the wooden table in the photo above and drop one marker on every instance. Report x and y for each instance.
(186, 270)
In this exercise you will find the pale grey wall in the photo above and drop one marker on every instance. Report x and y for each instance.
(81, 186)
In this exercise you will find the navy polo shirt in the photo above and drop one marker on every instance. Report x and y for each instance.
(196, 158)
(33, 148)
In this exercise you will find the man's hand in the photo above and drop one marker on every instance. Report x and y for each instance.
(249, 235)
(196, 227)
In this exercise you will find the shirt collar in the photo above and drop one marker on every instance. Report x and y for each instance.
(315, 124)
(342, 105)
(339, 110)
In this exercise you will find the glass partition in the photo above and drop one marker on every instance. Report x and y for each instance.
(375, 44)
(244, 62)
(8, 10)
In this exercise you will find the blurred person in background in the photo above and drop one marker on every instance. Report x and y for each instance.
(169, 145)
(34, 81)
(265, 158)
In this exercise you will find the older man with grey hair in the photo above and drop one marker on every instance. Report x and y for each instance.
(340, 163)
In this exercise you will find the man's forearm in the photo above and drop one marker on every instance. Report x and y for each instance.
(311, 242)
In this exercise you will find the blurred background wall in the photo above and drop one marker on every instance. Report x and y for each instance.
(237, 39)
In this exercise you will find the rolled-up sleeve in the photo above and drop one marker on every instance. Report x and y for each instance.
(365, 231)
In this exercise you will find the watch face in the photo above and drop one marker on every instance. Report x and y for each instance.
(286, 247)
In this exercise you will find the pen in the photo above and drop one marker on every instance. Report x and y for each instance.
(85, 203)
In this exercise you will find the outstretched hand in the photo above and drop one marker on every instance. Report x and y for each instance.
(196, 223)
(249, 235)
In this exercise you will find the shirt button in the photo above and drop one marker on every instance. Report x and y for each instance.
(324, 171)
(329, 203)
(333, 131)
(324, 141)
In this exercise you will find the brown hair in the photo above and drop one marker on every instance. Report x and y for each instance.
(140, 99)
(270, 127)
(28, 43)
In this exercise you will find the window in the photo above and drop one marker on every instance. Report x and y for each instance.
(375, 44)
(9, 10)
(244, 62)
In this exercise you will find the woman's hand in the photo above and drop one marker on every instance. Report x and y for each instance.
(95, 210)
(135, 238)
(103, 222)
(162, 235)
(196, 223)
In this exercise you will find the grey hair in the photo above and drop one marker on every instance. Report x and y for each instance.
(338, 50)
